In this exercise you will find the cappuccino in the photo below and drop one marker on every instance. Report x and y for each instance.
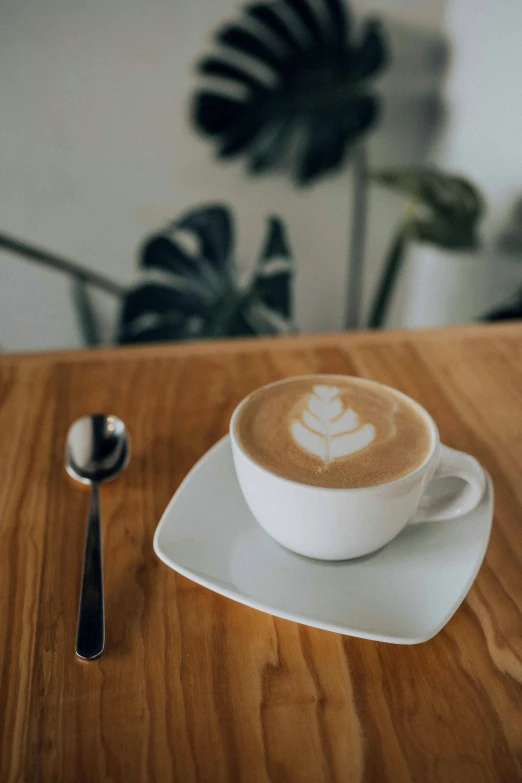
(333, 431)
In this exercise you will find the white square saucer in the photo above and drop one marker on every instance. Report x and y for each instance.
(404, 593)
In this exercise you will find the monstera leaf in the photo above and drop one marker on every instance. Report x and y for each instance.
(191, 290)
(287, 70)
(445, 209)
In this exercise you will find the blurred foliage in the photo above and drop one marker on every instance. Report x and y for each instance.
(444, 210)
(510, 311)
(290, 84)
(188, 286)
(191, 289)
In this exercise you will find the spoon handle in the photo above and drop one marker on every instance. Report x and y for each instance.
(90, 636)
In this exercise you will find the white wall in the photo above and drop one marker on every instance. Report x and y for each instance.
(96, 151)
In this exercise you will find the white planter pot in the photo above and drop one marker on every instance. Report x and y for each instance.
(442, 286)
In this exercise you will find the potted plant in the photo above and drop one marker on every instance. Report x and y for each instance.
(439, 226)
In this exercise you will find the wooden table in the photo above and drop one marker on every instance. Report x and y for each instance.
(192, 686)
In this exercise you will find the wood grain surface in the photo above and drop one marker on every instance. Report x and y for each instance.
(192, 686)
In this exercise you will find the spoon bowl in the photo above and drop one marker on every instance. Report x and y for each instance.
(97, 448)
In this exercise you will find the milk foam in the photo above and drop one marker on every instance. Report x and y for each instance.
(328, 430)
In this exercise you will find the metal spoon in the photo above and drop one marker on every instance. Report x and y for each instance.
(97, 449)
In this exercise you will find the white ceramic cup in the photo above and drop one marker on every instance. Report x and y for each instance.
(338, 524)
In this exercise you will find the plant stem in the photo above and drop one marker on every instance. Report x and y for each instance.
(31, 253)
(357, 239)
(392, 267)
(86, 315)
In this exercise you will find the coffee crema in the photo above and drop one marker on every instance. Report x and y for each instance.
(333, 431)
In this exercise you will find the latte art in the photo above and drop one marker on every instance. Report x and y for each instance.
(328, 431)
(333, 431)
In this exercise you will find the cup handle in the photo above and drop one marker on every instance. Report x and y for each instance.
(453, 464)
